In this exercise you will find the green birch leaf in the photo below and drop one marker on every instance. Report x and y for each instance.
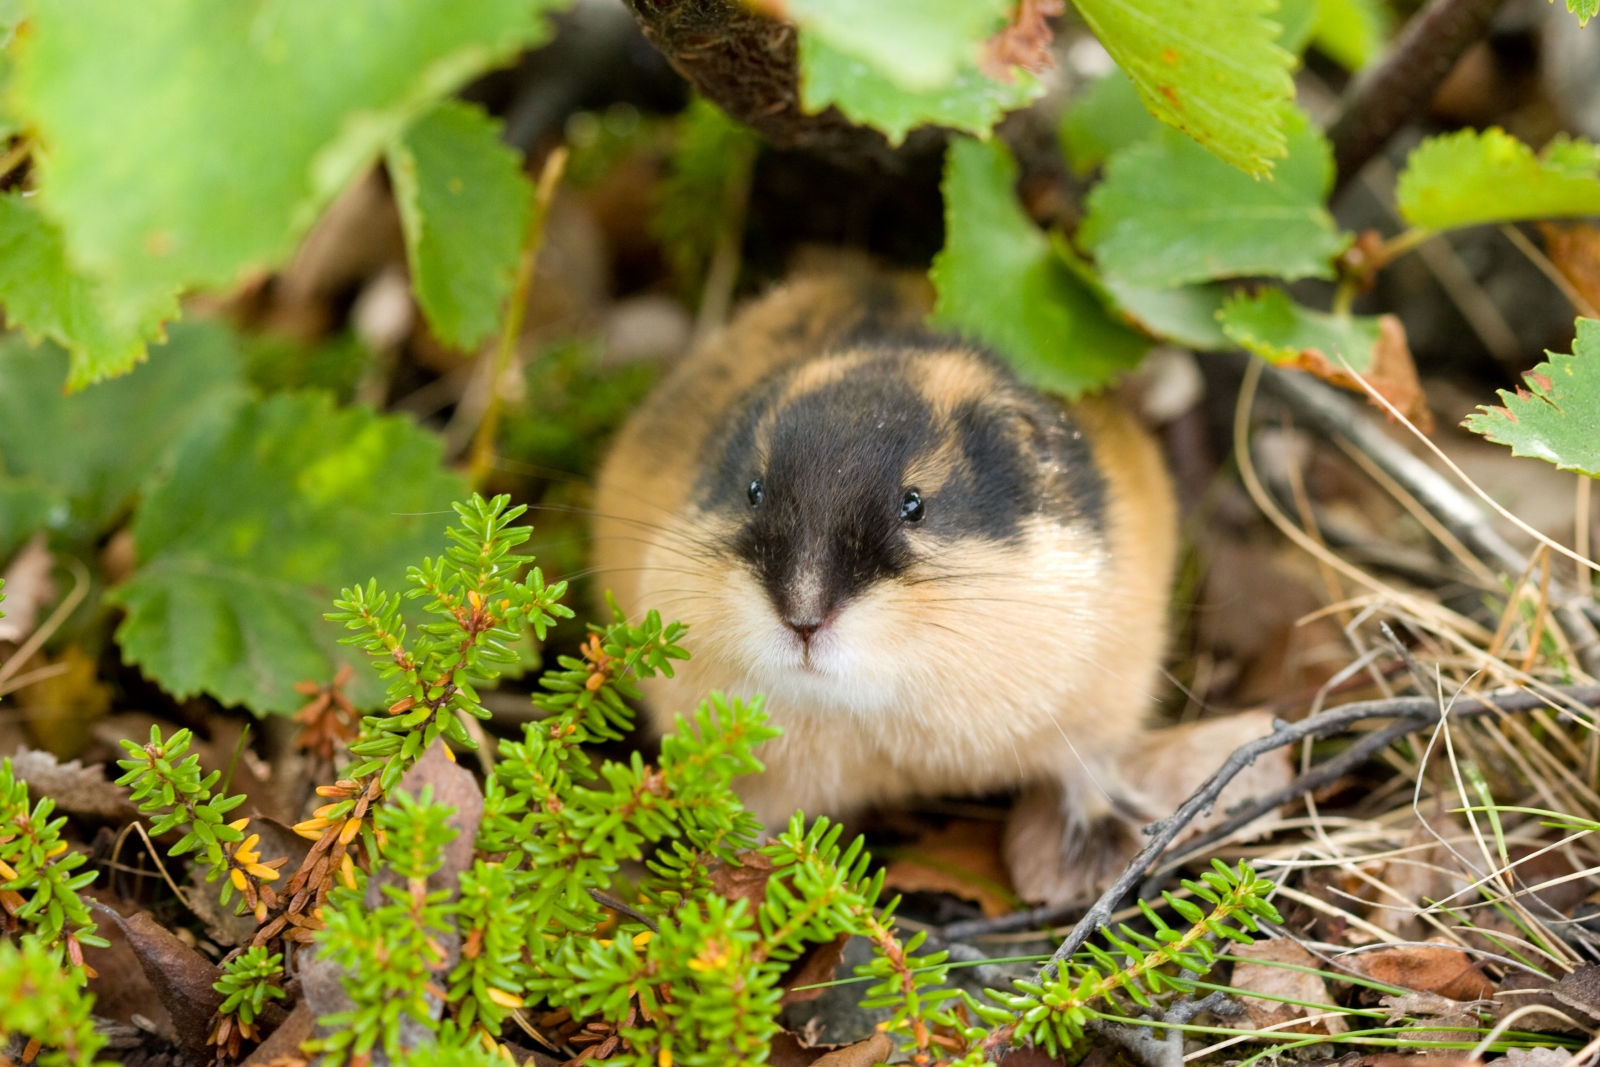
(1107, 118)
(1351, 32)
(1281, 331)
(972, 101)
(90, 452)
(1000, 282)
(464, 204)
(1211, 68)
(1471, 177)
(1556, 415)
(263, 519)
(46, 298)
(1186, 315)
(918, 45)
(1168, 214)
(187, 142)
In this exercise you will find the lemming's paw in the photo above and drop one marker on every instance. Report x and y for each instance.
(1061, 860)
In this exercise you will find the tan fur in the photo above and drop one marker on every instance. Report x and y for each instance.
(1030, 664)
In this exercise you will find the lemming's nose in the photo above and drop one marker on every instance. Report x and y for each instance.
(806, 627)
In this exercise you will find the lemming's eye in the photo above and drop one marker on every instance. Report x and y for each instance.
(756, 493)
(911, 506)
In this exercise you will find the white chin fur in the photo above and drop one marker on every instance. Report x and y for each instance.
(835, 674)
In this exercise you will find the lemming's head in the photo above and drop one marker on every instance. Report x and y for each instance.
(876, 501)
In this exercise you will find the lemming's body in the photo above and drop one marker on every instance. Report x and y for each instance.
(942, 581)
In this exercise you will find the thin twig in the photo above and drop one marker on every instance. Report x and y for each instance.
(1412, 711)
(1400, 85)
(623, 909)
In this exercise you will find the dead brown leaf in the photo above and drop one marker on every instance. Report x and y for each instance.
(1580, 989)
(1440, 969)
(181, 977)
(1519, 989)
(873, 1050)
(1575, 251)
(1024, 42)
(963, 859)
(1392, 373)
(817, 964)
(746, 881)
(76, 789)
(285, 1041)
(1282, 982)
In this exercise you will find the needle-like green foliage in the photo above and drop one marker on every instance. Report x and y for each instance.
(248, 982)
(40, 888)
(169, 785)
(41, 1002)
(390, 952)
(483, 611)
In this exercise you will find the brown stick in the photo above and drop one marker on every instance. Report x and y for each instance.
(1395, 90)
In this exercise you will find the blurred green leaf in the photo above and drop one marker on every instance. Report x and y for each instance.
(1169, 213)
(1296, 19)
(918, 45)
(1471, 177)
(1584, 9)
(262, 520)
(1211, 68)
(1556, 416)
(464, 204)
(274, 363)
(1108, 117)
(1351, 32)
(1000, 282)
(972, 101)
(1281, 331)
(44, 296)
(571, 408)
(1186, 315)
(86, 455)
(187, 143)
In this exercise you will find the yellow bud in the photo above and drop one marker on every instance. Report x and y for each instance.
(266, 874)
(347, 871)
(238, 879)
(352, 827)
(664, 1058)
(5, 869)
(312, 827)
(239, 824)
(449, 753)
(326, 811)
(61, 846)
(642, 938)
(504, 999)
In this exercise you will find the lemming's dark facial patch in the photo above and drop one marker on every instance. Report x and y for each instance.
(815, 481)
